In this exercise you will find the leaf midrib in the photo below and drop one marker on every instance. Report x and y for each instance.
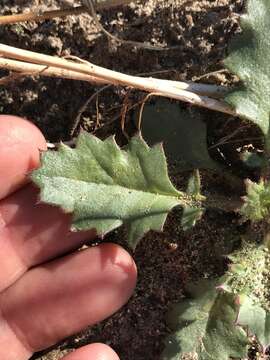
(180, 197)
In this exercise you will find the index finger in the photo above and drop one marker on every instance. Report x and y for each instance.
(20, 145)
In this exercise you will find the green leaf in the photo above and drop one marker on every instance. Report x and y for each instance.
(248, 278)
(194, 185)
(214, 321)
(206, 325)
(249, 58)
(191, 214)
(257, 201)
(246, 274)
(190, 217)
(183, 135)
(104, 186)
(257, 319)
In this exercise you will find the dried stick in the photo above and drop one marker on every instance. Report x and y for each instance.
(83, 109)
(39, 16)
(150, 85)
(214, 91)
(123, 113)
(147, 97)
(46, 15)
(36, 70)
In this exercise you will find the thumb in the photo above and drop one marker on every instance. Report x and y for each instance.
(93, 352)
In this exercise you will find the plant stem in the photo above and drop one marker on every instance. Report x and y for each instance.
(31, 69)
(39, 16)
(113, 77)
(47, 15)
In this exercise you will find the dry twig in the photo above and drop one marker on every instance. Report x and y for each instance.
(30, 69)
(147, 97)
(47, 15)
(83, 109)
(39, 16)
(163, 87)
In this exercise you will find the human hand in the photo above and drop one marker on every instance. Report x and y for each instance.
(45, 294)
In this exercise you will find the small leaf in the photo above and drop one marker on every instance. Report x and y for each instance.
(194, 185)
(183, 135)
(257, 319)
(206, 325)
(257, 201)
(104, 186)
(216, 324)
(249, 58)
(191, 214)
(248, 279)
(245, 274)
(190, 217)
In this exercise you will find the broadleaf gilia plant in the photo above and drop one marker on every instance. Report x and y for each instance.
(105, 187)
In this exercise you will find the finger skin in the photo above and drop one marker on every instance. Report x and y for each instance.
(62, 297)
(56, 299)
(93, 352)
(32, 233)
(20, 145)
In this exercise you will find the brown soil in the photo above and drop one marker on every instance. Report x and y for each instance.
(168, 261)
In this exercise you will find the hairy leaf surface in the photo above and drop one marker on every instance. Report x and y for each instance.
(104, 186)
(257, 319)
(249, 58)
(220, 318)
(206, 325)
(248, 278)
(257, 201)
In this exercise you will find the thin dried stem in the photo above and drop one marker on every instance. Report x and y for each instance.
(119, 116)
(124, 111)
(39, 16)
(47, 15)
(214, 91)
(147, 97)
(97, 125)
(151, 85)
(221, 71)
(30, 69)
(83, 109)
